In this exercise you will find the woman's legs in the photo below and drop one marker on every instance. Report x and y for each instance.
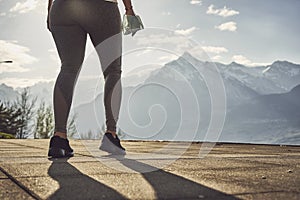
(70, 42)
(108, 44)
(111, 66)
(112, 100)
(69, 23)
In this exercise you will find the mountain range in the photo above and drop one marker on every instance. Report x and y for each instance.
(174, 103)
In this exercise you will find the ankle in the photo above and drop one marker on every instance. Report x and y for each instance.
(61, 134)
(113, 133)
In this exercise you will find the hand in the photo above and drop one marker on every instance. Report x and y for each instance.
(130, 12)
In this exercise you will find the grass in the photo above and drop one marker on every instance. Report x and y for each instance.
(6, 136)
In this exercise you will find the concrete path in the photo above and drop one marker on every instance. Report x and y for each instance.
(150, 170)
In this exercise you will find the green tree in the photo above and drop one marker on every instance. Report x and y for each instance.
(44, 121)
(44, 125)
(49, 120)
(3, 117)
(26, 104)
(71, 127)
(10, 118)
(40, 118)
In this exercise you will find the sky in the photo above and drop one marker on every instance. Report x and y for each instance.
(249, 32)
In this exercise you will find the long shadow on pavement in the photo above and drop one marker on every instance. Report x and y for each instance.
(75, 185)
(170, 186)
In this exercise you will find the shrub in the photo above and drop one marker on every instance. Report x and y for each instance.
(6, 136)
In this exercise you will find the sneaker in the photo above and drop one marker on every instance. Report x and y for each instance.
(59, 148)
(112, 145)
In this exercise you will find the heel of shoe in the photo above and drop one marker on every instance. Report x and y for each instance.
(55, 152)
(111, 148)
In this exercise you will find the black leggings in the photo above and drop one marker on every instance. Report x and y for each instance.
(70, 22)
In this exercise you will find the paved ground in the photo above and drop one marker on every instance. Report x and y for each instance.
(151, 170)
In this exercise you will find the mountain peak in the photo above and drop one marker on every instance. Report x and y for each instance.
(281, 62)
(236, 64)
(187, 55)
(3, 85)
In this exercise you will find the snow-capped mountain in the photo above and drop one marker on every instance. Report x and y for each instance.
(279, 77)
(285, 73)
(158, 107)
(41, 90)
(174, 101)
(188, 69)
(7, 93)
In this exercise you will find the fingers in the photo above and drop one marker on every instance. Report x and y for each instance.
(48, 23)
(48, 26)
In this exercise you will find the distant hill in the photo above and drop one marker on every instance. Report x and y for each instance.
(273, 118)
(262, 102)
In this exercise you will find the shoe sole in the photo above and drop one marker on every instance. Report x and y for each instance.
(55, 152)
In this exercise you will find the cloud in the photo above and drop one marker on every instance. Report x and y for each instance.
(176, 45)
(20, 56)
(223, 12)
(23, 82)
(25, 6)
(186, 32)
(168, 58)
(2, 14)
(213, 49)
(54, 55)
(217, 57)
(228, 26)
(207, 52)
(240, 59)
(175, 42)
(196, 2)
